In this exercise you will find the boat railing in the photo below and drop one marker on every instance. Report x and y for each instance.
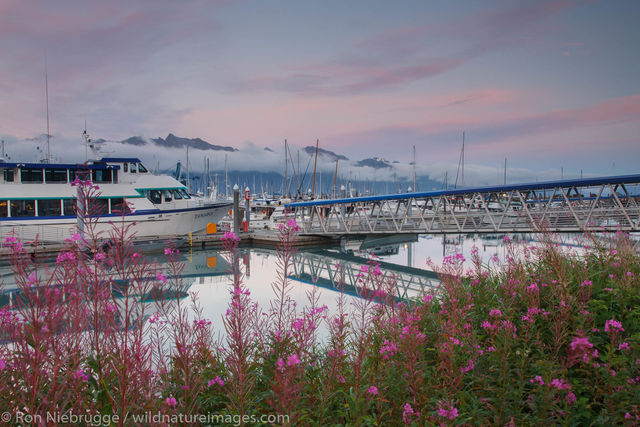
(28, 233)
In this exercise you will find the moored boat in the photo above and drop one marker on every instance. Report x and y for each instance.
(39, 200)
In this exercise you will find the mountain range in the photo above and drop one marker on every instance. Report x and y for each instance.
(172, 141)
(377, 172)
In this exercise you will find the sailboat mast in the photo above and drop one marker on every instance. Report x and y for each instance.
(335, 180)
(313, 191)
(415, 186)
(226, 179)
(286, 171)
(505, 171)
(463, 158)
(46, 89)
(188, 182)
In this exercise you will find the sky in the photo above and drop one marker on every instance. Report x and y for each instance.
(553, 86)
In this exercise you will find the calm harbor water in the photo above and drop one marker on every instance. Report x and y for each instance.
(327, 272)
(323, 269)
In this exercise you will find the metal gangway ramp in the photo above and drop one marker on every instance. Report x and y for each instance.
(577, 205)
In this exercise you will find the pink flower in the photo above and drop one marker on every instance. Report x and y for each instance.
(570, 398)
(293, 225)
(388, 349)
(230, 236)
(161, 277)
(560, 384)
(487, 325)
(407, 413)
(613, 326)
(450, 413)
(586, 283)
(293, 360)
(579, 343)
(65, 256)
(469, 366)
(624, 346)
(3, 364)
(372, 390)
(427, 298)
(533, 288)
(280, 364)
(537, 379)
(216, 380)
(171, 401)
(495, 313)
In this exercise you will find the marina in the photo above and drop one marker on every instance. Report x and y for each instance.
(289, 213)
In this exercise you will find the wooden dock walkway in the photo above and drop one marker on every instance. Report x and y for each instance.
(259, 238)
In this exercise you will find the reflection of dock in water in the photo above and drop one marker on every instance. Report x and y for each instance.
(197, 265)
(339, 272)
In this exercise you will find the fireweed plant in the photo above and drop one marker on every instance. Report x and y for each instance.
(543, 336)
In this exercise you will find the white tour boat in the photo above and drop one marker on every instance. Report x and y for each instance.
(38, 200)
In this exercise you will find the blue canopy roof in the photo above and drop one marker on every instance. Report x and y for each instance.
(120, 159)
(547, 185)
(74, 166)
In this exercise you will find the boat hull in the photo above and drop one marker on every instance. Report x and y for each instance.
(170, 222)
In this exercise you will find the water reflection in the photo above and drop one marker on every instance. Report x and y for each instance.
(323, 272)
(341, 272)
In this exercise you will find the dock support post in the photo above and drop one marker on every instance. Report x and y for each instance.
(236, 209)
(247, 209)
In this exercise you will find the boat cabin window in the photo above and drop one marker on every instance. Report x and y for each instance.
(99, 207)
(119, 205)
(132, 168)
(82, 175)
(141, 168)
(4, 211)
(167, 195)
(177, 195)
(185, 195)
(31, 175)
(55, 175)
(20, 208)
(155, 196)
(49, 208)
(125, 167)
(69, 206)
(8, 175)
(101, 175)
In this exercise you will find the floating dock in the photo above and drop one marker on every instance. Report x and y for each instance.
(259, 238)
